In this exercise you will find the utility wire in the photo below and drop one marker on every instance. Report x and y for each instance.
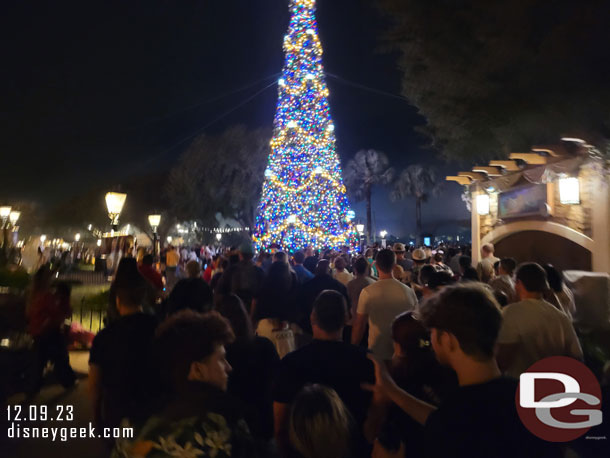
(366, 88)
(247, 100)
(202, 102)
(213, 121)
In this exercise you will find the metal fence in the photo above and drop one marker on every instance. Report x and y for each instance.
(90, 319)
(84, 277)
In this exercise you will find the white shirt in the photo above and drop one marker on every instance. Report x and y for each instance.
(383, 301)
(505, 284)
(344, 277)
(540, 330)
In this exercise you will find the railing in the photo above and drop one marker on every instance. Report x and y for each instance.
(90, 319)
(84, 277)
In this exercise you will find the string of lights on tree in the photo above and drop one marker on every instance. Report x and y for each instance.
(304, 201)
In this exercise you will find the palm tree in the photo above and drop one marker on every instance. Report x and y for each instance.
(419, 182)
(368, 168)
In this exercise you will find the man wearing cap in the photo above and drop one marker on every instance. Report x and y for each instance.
(401, 259)
(419, 261)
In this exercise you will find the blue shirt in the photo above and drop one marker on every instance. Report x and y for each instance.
(303, 275)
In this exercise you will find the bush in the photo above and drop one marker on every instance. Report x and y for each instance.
(15, 279)
(97, 301)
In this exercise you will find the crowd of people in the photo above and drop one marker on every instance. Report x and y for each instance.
(399, 352)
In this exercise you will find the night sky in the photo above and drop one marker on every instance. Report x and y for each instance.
(96, 92)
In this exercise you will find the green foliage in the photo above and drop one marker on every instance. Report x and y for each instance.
(97, 301)
(366, 169)
(418, 182)
(17, 279)
(220, 173)
(596, 350)
(495, 77)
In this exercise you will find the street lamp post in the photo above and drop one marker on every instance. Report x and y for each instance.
(114, 204)
(360, 229)
(75, 249)
(383, 241)
(155, 221)
(5, 212)
(13, 218)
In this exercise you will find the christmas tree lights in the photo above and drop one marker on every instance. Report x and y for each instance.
(304, 201)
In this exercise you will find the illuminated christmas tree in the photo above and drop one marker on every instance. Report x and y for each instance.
(304, 201)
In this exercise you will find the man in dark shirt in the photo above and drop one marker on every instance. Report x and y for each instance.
(401, 257)
(310, 290)
(327, 360)
(119, 361)
(243, 279)
(191, 292)
(480, 418)
(311, 260)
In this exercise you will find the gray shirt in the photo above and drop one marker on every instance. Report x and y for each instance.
(383, 301)
(354, 288)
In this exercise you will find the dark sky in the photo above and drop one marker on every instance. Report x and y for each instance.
(97, 91)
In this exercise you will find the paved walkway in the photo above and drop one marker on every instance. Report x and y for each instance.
(52, 397)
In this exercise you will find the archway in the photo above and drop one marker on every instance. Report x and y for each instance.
(542, 242)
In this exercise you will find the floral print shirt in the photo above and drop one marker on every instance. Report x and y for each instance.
(189, 429)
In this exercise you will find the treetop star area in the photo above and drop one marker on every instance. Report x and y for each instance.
(304, 201)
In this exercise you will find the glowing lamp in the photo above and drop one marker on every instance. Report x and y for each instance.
(383, 234)
(331, 127)
(281, 82)
(99, 242)
(218, 237)
(351, 214)
(114, 203)
(169, 239)
(76, 237)
(14, 217)
(360, 228)
(5, 212)
(268, 173)
(483, 204)
(43, 238)
(154, 221)
(569, 191)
